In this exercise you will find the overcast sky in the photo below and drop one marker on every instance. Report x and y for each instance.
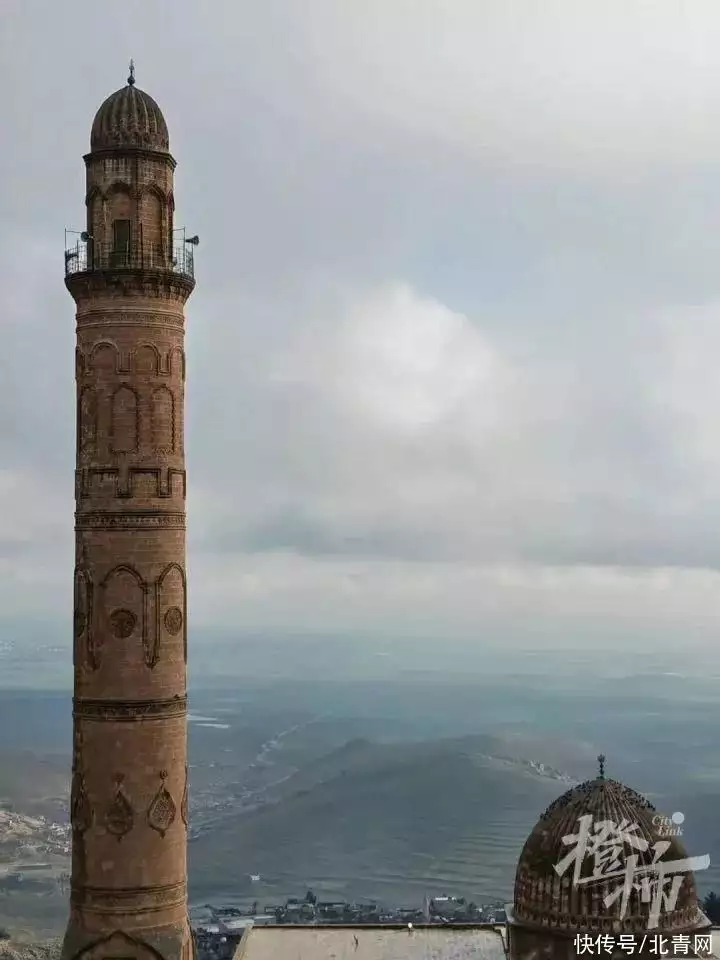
(453, 351)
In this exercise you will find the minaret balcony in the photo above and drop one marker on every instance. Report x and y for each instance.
(92, 257)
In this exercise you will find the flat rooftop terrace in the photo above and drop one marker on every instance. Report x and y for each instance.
(373, 942)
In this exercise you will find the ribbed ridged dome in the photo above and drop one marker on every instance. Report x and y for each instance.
(544, 899)
(129, 118)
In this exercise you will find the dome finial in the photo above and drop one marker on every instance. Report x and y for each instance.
(601, 763)
(131, 78)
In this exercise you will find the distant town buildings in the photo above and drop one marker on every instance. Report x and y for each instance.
(442, 909)
(551, 909)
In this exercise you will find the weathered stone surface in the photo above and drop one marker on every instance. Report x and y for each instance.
(129, 873)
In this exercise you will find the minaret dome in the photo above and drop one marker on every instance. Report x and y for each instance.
(129, 118)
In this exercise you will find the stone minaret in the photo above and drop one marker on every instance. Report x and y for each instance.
(129, 800)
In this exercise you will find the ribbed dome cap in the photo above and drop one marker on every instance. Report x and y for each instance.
(129, 118)
(545, 899)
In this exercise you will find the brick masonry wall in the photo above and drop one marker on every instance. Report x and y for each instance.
(130, 791)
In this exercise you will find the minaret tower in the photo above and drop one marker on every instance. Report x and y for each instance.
(130, 280)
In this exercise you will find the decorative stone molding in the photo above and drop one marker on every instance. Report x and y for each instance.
(132, 711)
(130, 520)
(128, 900)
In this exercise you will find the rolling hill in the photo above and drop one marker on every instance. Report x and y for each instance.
(391, 821)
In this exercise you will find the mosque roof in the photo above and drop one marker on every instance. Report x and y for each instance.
(371, 943)
(626, 824)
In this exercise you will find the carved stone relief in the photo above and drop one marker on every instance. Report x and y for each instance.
(87, 419)
(122, 623)
(80, 611)
(161, 812)
(140, 481)
(81, 815)
(80, 809)
(131, 520)
(85, 648)
(118, 944)
(173, 621)
(184, 803)
(78, 622)
(124, 583)
(120, 816)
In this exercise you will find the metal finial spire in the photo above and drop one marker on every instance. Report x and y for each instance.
(131, 78)
(601, 762)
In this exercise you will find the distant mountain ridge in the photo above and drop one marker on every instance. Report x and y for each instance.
(389, 821)
(359, 756)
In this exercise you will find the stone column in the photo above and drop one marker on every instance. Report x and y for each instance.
(130, 775)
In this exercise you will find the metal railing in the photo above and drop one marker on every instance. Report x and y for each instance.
(89, 256)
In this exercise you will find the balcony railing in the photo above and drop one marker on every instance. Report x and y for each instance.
(89, 256)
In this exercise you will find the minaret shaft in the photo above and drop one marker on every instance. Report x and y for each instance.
(129, 786)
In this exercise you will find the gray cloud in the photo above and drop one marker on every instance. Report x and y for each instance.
(452, 347)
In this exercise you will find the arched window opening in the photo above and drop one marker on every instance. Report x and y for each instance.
(121, 242)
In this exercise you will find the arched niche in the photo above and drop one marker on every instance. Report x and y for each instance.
(118, 946)
(124, 420)
(152, 219)
(82, 616)
(119, 200)
(147, 359)
(124, 613)
(87, 420)
(177, 362)
(171, 608)
(104, 358)
(163, 420)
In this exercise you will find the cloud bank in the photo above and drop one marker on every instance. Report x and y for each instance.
(451, 357)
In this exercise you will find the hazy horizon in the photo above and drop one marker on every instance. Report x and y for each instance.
(221, 658)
